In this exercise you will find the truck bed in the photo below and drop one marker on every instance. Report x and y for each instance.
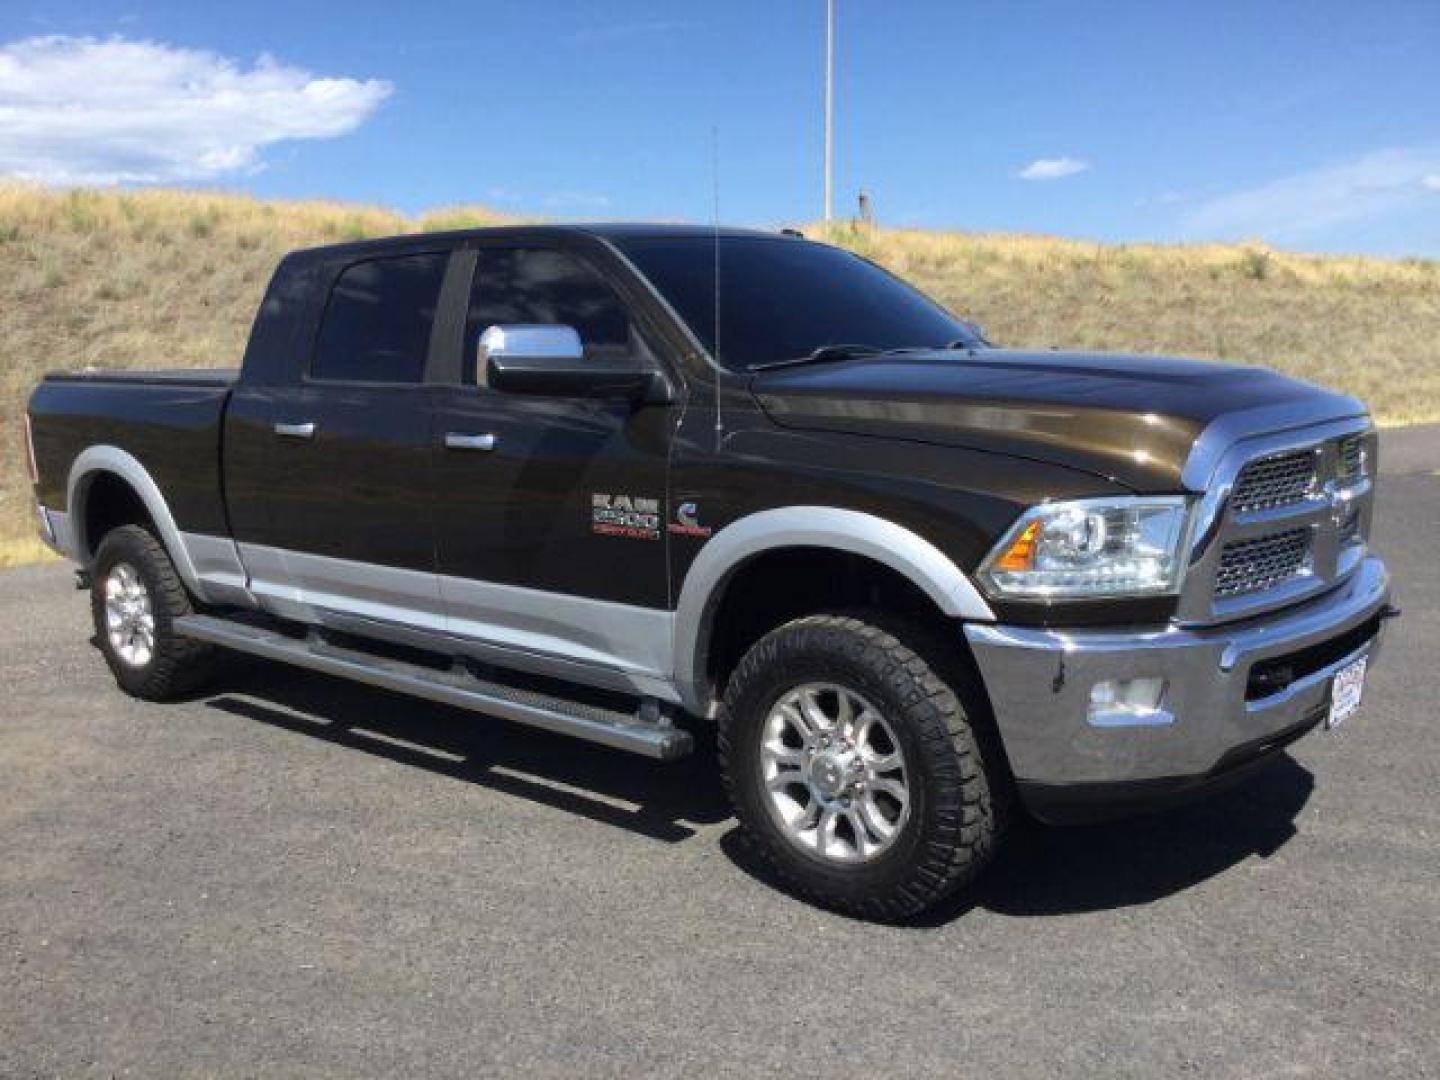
(168, 421)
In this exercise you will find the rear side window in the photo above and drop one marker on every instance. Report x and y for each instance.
(377, 325)
(540, 285)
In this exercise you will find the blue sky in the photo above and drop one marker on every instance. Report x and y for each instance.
(1312, 125)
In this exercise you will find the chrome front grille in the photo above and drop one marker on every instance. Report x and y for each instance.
(1276, 481)
(1350, 528)
(1351, 458)
(1250, 566)
(1281, 518)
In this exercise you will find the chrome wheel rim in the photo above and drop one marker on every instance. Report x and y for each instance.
(129, 620)
(833, 773)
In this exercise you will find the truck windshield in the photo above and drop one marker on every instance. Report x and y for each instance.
(783, 299)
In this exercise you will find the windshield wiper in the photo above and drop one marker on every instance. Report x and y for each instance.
(831, 353)
(959, 344)
(823, 355)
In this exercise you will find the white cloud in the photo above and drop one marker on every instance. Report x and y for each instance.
(79, 110)
(1371, 186)
(1053, 168)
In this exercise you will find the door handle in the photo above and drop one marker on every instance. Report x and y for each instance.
(296, 431)
(454, 440)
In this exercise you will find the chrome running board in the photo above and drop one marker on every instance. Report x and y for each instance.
(645, 732)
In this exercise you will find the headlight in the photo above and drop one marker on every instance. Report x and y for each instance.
(1091, 548)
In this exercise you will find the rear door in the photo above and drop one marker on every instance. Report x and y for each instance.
(550, 511)
(349, 490)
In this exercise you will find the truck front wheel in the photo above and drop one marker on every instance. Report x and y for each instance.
(854, 768)
(135, 596)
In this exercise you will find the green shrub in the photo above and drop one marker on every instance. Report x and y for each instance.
(1255, 265)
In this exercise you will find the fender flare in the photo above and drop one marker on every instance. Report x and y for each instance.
(91, 463)
(884, 541)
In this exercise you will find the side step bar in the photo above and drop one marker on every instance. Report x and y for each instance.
(623, 731)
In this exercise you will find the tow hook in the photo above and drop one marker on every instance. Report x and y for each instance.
(1389, 611)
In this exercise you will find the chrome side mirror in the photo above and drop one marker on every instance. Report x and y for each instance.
(528, 342)
(551, 360)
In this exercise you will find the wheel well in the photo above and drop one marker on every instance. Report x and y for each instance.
(777, 586)
(109, 502)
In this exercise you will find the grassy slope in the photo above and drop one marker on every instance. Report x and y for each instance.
(163, 278)
(1369, 327)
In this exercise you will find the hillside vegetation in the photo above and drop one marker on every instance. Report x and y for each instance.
(169, 278)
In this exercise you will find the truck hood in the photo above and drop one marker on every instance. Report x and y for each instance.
(1131, 419)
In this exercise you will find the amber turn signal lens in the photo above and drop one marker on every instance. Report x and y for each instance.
(1018, 555)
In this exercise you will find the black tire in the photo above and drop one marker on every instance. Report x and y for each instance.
(952, 824)
(175, 665)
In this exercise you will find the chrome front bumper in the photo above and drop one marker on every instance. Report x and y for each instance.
(1040, 682)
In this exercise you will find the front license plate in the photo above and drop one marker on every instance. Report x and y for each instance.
(1345, 691)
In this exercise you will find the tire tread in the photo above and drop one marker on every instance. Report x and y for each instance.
(180, 664)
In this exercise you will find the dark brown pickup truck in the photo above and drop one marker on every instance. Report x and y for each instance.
(646, 484)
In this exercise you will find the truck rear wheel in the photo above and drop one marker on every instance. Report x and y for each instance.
(135, 596)
(854, 769)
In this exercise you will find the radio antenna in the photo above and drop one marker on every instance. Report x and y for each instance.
(715, 232)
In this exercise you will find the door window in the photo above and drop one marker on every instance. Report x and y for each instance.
(541, 285)
(377, 324)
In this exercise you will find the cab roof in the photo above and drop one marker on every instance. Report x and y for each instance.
(617, 231)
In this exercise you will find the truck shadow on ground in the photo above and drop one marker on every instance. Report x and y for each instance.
(662, 801)
(1054, 871)
(1046, 870)
(1042, 871)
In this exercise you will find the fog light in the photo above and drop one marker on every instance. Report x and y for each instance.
(1128, 702)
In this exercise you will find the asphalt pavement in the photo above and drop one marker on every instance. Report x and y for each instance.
(296, 876)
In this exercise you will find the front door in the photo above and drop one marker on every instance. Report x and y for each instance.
(551, 512)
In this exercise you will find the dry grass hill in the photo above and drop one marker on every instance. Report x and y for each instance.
(171, 278)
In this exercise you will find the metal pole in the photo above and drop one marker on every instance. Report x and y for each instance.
(829, 96)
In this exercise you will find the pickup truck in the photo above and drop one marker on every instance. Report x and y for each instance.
(647, 484)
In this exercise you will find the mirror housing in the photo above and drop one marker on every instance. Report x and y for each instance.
(550, 360)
